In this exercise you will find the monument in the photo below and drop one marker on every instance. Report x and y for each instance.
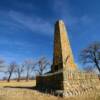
(64, 75)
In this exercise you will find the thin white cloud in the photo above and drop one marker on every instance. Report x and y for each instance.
(19, 44)
(35, 24)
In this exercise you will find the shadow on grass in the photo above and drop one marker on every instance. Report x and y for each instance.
(21, 87)
(42, 90)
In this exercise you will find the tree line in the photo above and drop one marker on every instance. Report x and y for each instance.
(28, 68)
(89, 57)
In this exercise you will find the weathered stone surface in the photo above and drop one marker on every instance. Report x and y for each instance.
(63, 58)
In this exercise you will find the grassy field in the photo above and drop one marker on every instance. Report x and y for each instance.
(18, 84)
(24, 91)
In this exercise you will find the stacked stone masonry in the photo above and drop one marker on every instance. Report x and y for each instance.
(64, 75)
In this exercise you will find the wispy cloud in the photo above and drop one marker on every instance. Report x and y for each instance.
(33, 23)
(18, 44)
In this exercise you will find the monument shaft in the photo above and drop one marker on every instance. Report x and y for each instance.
(63, 58)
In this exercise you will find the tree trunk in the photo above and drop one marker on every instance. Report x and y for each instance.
(9, 77)
(27, 77)
(18, 80)
(97, 65)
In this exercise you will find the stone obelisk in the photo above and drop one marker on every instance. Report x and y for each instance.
(62, 57)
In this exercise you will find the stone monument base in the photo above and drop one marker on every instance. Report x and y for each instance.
(68, 83)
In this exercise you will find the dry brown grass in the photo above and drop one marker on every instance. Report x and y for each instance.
(20, 84)
(9, 93)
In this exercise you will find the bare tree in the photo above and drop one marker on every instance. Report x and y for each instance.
(42, 65)
(19, 70)
(11, 69)
(90, 56)
(29, 66)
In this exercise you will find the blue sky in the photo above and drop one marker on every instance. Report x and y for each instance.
(27, 26)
